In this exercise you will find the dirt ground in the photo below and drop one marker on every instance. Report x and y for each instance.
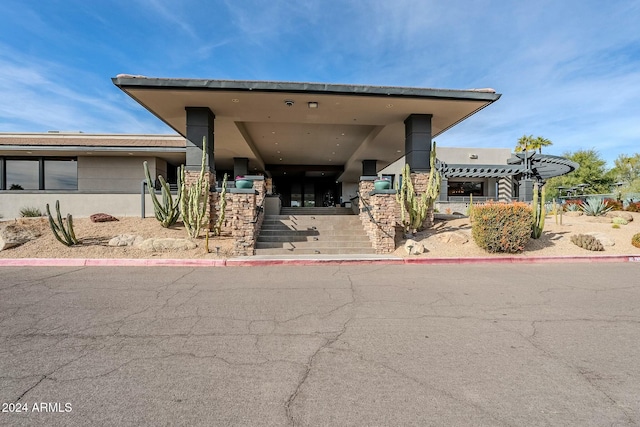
(94, 237)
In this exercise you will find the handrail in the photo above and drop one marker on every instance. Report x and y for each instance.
(367, 207)
(259, 209)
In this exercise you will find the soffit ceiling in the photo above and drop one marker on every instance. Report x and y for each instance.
(267, 128)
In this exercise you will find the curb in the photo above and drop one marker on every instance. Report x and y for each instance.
(125, 262)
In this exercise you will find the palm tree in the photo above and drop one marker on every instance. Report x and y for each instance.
(529, 143)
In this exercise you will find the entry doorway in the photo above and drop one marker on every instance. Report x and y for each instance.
(298, 190)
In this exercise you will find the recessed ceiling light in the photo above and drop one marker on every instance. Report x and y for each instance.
(389, 105)
(273, 132)
(278, 151)
(398, 151)
(342, 134)
(333, 152)
(312, 104)
(337, 145)
(280, 158)
(235, 100)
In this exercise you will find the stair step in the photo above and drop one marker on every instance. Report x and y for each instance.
(313, 244)
(317, 251)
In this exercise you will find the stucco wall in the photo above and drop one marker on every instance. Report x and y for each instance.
(77, 204)
(121, 174)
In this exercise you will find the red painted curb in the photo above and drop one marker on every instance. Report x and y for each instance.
(127, 262)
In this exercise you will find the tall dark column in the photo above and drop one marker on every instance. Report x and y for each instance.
(240, 166)
(417, 142)
(200, 122)
(369, 168)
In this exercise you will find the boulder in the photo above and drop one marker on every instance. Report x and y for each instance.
(414, 248)
(454, 237)
(102, 217)
(602, 237)
(572, 213)
(599, 219)
(620, 214)
(12, 235)
(126, 240)
(166, 244)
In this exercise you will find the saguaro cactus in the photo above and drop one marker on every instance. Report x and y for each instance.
(539, 211)
(168, 211)
(194, 198)
(64, 235)
(413, 209)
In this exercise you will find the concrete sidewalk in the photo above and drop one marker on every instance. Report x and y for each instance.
(348, 345)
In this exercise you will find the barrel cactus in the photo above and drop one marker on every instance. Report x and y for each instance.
(587, 242)
(635, 240)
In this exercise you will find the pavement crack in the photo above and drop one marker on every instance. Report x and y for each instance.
(309, 365)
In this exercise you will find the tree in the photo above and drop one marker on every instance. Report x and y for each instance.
(529, 143)
(626, 172)
(592, 171)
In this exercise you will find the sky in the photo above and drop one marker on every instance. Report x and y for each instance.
(568, 70)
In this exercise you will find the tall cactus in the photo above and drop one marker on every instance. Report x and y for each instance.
(168, 211)
(223, 206)
(194, 198)
(64, 235)
(414, 210)
(539, 211)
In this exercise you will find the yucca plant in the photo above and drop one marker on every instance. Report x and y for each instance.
(29, 212)
(594, 207)
(572, 207)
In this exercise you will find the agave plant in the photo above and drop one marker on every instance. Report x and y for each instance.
(594, 207)
(572, 207)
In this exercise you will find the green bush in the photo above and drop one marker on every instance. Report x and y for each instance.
(30, 212)
(635, 240)
(500, 227)
(615, 225)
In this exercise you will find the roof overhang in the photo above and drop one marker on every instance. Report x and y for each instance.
(272, 123)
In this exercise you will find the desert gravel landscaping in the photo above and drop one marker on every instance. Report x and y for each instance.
(445, 239)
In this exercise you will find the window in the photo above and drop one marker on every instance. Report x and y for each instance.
(465, 188)
(22, 174)
(39, 173)
(60, 174)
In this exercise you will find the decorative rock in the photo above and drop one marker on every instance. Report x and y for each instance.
(602, 237)
(166, 244)
(12, 235)
(102, 217)
(126, 240)
(599, 219)
(414, 248)
(620, 214)
(572, 213)
(455, 237)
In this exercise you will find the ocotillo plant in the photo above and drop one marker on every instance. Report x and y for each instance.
(168, 211)
(414, 210)
(222, 207)
(194, 198)
(539, 211)
(66, 236)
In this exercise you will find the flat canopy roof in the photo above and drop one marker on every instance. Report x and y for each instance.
(311, 124)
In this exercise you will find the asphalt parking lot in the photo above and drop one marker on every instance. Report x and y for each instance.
(360, 345)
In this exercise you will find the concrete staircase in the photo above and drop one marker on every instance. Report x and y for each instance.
(309, 231)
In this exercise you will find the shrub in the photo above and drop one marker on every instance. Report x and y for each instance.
(499, 227)
(635, 240)
(586, 241)
(619, 221)
(30, 212)
(613, 204)
(633, 207)
(615, 225)
(594, 207)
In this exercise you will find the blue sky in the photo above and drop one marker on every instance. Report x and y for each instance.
(567, 70)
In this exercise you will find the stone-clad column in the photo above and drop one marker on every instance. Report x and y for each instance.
(382, 230)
